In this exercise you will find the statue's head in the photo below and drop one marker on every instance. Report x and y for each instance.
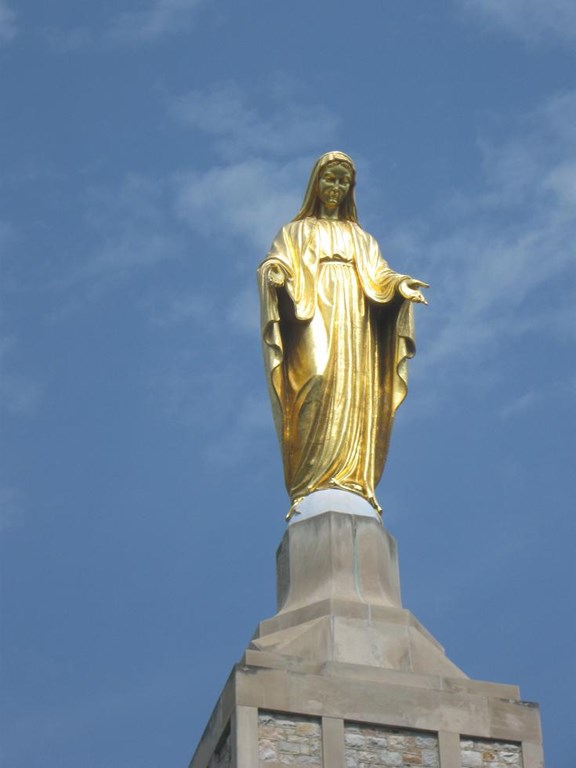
(330, 164)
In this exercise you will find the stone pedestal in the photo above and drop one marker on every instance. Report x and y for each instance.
(344, 677)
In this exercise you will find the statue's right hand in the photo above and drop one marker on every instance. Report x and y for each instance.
(409, 288)
(275, 276)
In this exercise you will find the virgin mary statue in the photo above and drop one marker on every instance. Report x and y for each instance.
(337, 331)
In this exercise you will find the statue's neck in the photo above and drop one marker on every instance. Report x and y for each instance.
(328, 213)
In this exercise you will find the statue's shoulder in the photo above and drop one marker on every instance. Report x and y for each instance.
(298, 226)
(296, 232)
(361, 234)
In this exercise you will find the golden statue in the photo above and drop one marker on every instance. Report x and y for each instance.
(337, 330)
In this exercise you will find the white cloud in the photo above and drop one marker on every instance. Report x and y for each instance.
(520, 404)
(286, 129)
(562, 182)
(503, 271)
(168, 310)
(212, 401)
(132, 249)
(530, 19)
(249, 200)
(558, 117)
(161, 18)
(69, 40)
(240, 313)
(7, 23)
(238, 203)
(267, 157)
(129, 230)
(219, 404)
(249, 430)
(133, 229)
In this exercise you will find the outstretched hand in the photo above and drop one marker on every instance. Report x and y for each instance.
(410, 289)
(275, 276)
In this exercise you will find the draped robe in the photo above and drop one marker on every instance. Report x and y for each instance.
(336, 340)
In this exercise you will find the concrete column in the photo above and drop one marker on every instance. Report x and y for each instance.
(532, 755)
(245, 737)
(337, 556)
(449, 750)
(333, 743)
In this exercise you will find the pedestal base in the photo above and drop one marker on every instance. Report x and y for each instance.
(278, 712)
(344, 677)
(339, 600)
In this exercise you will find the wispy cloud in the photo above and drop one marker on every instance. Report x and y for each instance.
(161, 18)
(7, 23)
(266, 154)
(503, 270)
(249, 199)
(165, 310)
(286, 128)
(522, 403)
(217, 403)
(564, 389)
(530, 19)
(128, 230)
(237, 204)
(133, 229)
(64, 41)
(243, 199)
(240, 313)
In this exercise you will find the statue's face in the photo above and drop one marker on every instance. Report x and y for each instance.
(334, 184)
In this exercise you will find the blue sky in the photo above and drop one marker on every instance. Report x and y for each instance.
(149, 152)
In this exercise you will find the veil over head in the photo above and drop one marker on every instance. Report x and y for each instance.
(310, 205)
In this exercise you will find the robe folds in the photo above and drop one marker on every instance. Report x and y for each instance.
(336, 337)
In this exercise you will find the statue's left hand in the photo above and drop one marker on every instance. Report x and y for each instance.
(410, 289)
(275, 276)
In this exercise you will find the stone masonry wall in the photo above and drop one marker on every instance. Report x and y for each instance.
(289, 740)
(381, 747)
(485, 753)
